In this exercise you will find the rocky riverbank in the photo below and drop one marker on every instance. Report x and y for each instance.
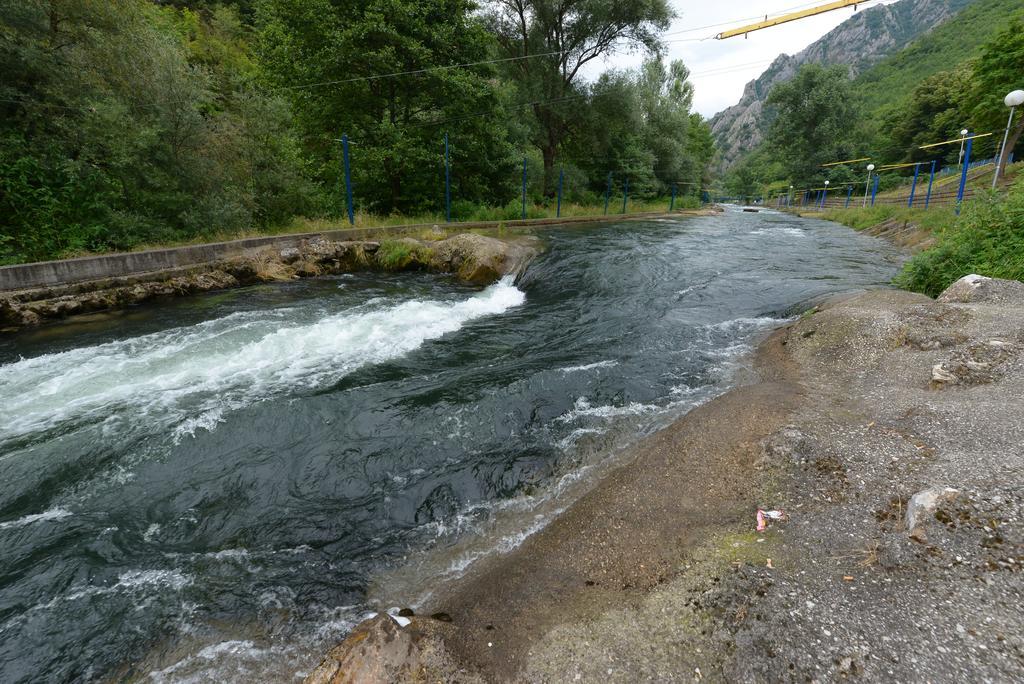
(470, 257)
(887, 426)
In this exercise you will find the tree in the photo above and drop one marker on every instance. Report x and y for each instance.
(700, 150)
(814, 122)
(116, 131)
(336, 64)
(637, 124)
(665, 96)
(933, 112)
(550, 42)
(999, 70)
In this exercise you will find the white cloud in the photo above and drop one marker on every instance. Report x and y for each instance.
(722, 67)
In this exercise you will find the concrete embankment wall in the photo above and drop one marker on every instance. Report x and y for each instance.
(69, 271)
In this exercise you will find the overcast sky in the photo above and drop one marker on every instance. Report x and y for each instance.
(722, 67)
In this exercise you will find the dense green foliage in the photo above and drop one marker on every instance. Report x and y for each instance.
(951, 78)
(397, 123)
(561, 37)
(123, 122)
(813, 122)
(987, 239)
(970, 95)
(132, 122)
(887, 83)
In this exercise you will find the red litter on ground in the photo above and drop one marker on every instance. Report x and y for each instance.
(764, 517)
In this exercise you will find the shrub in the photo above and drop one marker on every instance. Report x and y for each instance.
(987, 239)
(398, 255)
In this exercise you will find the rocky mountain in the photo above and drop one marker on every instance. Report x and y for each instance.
(859, 42)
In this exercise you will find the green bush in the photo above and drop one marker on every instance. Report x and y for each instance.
(398, 255)
(987, 239)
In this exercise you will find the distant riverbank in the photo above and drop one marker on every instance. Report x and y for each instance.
(38, 292)
(986, 237)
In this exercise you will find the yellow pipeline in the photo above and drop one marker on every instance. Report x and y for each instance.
(848, 161)
(792, 16)
(898, 166)
(946, 142)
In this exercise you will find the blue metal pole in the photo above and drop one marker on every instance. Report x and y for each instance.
(607, 193)
(348, 181)
(849, 193)
(874, 190)
(625, 194)
(524, 188)
(931, 179)
(963, 175)
(447, 184)
(824, 197)
(561, 178)
(913, 186)
(672, 202)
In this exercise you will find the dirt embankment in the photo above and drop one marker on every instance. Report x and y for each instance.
(904, 234)
(886, 425)
(900, 232)
(471, 258)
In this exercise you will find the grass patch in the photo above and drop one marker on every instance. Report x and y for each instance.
(398, 255)
(466, 213)
(935, 219)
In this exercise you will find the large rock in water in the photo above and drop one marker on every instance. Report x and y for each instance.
(378, 650)
(478, 259)
(381, 651)
(976, 288)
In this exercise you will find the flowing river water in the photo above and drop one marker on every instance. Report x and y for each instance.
(217, 488)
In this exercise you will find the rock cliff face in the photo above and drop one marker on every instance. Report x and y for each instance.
(859, 42)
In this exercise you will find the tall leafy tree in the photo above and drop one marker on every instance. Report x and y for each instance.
(700, 150)
(338, 63)
(933, 112)
(113, 132)
(637, 124)
(999, 70)
(665, 96)
(551, 41)
(814, 122)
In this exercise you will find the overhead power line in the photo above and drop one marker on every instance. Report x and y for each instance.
(425, 70)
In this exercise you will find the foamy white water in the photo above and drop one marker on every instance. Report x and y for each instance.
(189, 376)
(52, 514)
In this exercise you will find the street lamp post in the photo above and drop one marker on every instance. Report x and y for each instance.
(1013, 100)
(789, 198)
(963, 136)
(871, 167)
(824, 195)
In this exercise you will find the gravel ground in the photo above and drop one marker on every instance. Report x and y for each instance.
(856, 593)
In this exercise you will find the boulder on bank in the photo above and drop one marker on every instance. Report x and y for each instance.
(384, 649)
(478, 259)
(975, 288)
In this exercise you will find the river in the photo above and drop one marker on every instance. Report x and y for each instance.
(217, 488)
